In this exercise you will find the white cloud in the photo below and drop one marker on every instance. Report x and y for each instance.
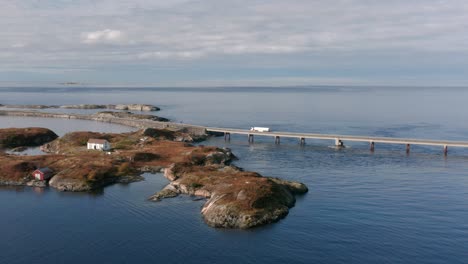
(102, 36)
(171, 55)
(18, 45)
(155, 32)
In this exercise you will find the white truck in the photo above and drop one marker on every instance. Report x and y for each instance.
(260, 129)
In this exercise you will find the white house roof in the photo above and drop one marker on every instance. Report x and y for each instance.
(97, 141)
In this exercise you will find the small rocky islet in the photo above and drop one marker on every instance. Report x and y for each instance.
(234, 198)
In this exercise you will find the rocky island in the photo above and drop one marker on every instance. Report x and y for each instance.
(234, 198)
(25, 137)
(126, 107)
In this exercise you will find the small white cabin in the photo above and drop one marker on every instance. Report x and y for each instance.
(98, 144)
(260, 129)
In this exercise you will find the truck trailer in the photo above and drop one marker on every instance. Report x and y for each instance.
(260, 129)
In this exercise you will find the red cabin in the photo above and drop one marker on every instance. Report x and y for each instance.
(42, 174)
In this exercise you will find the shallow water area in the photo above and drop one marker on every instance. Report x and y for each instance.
(27, 151)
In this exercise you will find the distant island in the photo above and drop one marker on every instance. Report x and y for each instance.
(71, 83)
(129, 107)
(235, 198)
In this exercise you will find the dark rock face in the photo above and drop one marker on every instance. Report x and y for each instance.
(145, 156)
(25, 137)
(159, 133)
(178, 135)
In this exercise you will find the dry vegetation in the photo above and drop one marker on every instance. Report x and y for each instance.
(236, 198)
(70, 159)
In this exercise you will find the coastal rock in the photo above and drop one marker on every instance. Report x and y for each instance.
(19, 149)
(29, 106)
(236, 198)
(84, 106)
(169, 173)
(177, 136)
(36, 183)
(25, 137)
(293, 187)
(168, 192)
(129, 179)
(196, 132)
(160, 134)
(222, 157)
(129, 115)
(152, 169)
(62, 183)
(134, 107)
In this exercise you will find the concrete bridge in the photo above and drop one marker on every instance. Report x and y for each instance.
(200, 130)
(339, 139)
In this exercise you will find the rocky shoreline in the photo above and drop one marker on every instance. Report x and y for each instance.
(234, 198)
(138, 121)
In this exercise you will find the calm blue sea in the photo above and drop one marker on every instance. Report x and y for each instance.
(362, 207)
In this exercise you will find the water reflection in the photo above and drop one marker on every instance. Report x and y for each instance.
(38, 190)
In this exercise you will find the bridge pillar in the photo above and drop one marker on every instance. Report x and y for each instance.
(251, 138)
(277, 140)
(408, 148)
(302, 141)
(445, 150)
(372, 146)
(339, 142)
(227, 136)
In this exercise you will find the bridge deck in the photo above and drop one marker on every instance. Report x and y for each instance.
(369, 139)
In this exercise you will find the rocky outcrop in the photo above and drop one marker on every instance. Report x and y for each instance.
(79, 169)
(14, 171)
(129, 115)
(236, 198)
(195, 132)
(82, 106)
(168, 192)
(30, 106)
(62, 183)
(134, 107)
(25, 137)
(37, 183)
(125, 107)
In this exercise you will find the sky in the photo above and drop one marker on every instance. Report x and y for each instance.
(234, 42)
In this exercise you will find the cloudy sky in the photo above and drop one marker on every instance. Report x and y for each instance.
(234, 42)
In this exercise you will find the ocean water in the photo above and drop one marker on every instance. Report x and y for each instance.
(362, 207)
